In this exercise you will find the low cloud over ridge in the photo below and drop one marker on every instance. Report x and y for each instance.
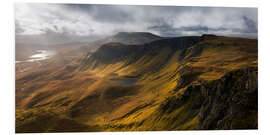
(91, 21)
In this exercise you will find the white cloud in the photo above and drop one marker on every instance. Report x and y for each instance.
(93, 20)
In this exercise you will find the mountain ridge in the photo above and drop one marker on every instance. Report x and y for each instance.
(172, 84)
(128, 38)
(110, 52)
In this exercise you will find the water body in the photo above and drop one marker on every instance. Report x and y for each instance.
(40, 55)
(125, 81)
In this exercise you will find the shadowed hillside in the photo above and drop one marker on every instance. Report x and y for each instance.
(132, 38)
(128, 38)
(182, 83)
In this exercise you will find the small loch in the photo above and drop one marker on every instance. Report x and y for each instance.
(39, 55)
(124, 81)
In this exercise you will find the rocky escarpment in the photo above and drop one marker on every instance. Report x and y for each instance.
(230, 102)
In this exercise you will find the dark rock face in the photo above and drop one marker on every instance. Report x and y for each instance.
(231, 102)
(227, 103)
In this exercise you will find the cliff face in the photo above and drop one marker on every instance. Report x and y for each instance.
(230, 102)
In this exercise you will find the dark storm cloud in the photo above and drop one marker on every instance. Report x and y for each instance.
(251, 26)
(93, 20)
(102, 13)
(108, 14)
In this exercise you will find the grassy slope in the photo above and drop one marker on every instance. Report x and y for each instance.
(84, 97)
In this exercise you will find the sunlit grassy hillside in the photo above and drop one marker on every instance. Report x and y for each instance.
(186, 83)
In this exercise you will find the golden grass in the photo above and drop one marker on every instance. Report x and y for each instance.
(158, 77)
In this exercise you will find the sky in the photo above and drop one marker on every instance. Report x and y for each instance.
(72, 22)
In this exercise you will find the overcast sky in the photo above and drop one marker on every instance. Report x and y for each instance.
(103, 20)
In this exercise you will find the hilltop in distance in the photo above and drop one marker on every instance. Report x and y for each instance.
(142, 82)
(128, 38)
